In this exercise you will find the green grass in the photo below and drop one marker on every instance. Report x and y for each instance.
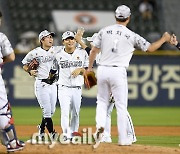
(142, 116)
(165, 141)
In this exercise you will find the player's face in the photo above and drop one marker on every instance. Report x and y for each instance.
(47, 41)
(69, 42)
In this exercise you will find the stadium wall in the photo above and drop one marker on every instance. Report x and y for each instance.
(153, 79)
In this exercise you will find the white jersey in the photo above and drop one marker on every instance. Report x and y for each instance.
(117, 44)
(68, 63)
(5, 50)
(45, 59)
(5, 47)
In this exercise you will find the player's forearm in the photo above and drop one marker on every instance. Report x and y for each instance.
(156, 45)
(92, 56)
(9, 58)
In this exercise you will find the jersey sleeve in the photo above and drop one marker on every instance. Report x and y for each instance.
(97, 41)
(28, 58)
(141, 43)
(6, 47)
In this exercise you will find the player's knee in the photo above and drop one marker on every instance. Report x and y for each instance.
(4, 122)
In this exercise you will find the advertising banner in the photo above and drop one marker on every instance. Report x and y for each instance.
(152, 81)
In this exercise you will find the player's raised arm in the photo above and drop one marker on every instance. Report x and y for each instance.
(156, 45)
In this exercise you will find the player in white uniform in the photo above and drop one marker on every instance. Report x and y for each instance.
(7, 129)
(46, 93)
(116, 43)
(71, 61)
(107, 129)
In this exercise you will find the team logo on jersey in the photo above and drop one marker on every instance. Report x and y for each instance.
(68, 64)
(77, 58)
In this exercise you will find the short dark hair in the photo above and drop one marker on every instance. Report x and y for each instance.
(0, 14)
(122, 20)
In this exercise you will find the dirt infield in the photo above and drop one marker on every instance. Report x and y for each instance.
(104, 147)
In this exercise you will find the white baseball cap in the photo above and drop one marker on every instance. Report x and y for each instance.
(122, 12)
(67, 34)
(45, 33)
(91, 39)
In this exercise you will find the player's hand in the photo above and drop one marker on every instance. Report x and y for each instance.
(33, 73)
(78, 71)
(79, 34)
(167, 37)
(173, 40)
(89, 69)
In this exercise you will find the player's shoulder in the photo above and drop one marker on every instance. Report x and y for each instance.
(80, 50)
(3, 36)
(58, 48)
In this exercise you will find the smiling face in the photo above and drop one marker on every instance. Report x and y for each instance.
(69, 43)
(47, 42)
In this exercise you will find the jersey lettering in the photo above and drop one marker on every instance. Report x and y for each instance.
(109, 32)
(46, 59)
(68, 64)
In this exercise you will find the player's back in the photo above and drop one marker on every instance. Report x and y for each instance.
(117, 45)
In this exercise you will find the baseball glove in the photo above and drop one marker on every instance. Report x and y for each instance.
(33, 65)
(89, 79)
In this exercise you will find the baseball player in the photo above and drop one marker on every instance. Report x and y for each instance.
(116, 44)
(71, 61)
(107, 130)
(7, 129)
(46, 93)
(174, 41)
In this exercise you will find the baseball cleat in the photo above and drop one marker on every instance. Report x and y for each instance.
(106, 139)
(13, 146)
(98, 137)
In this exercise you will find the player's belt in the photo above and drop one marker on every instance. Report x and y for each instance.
(109, 65)
(79, 87)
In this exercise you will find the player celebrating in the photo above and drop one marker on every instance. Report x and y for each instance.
(116, 43)
(7, 129)
(45, 92)
(71, 61)
(106, 137)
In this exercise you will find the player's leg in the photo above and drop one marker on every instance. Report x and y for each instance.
(53, 98)
(130, 128)
(64, 96)
(102, 100)
(43, 94)
(107, 130)
(120, 92)
(8, 132)
(76, 104)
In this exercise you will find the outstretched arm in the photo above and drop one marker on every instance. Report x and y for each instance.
(156, 45)
(94, 51)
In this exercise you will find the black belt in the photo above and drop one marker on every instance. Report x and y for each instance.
(109, 65)
(48, 81)
(79, 87)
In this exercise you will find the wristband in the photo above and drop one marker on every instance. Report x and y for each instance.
(178, 45)
(88, 50)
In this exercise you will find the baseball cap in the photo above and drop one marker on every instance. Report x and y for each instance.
(67, 34)
(122, 12)
(91, 39)
(45, 33)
